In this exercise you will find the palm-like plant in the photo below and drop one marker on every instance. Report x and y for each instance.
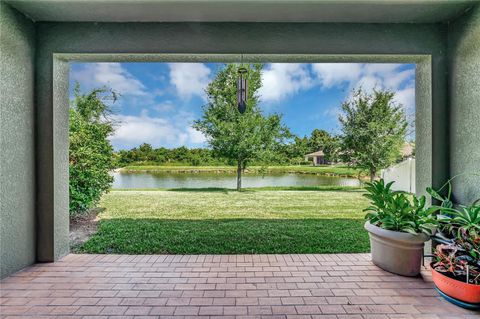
(455, 219)
(393, 210)
(462, 217)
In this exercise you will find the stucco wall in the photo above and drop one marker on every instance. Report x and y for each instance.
(17, 165)
(464, 85)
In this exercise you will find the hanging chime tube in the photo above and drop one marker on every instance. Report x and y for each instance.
(242, 90)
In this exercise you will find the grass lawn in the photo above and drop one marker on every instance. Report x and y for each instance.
(219, 221)
(339, 170)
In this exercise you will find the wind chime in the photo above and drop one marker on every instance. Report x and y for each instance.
(242, 86)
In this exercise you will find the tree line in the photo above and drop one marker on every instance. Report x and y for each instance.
(291, 153)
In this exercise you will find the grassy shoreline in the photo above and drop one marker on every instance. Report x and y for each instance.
(325, 170)
(248, 189)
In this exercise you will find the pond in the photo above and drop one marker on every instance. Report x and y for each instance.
(223, 180)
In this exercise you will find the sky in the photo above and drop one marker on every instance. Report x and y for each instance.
(159, 101)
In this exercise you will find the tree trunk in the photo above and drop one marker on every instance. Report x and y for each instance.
(373, 174)
(239, 175)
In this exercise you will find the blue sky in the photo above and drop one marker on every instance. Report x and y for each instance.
(159, 101)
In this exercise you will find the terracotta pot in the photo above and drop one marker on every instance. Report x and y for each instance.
(456, 289)
(397, 252)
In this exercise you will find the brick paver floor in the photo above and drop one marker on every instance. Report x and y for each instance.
(220, 286)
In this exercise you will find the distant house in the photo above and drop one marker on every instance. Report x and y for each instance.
(318, 158)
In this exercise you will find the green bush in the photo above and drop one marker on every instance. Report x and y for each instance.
(90, 153)
(394, 210)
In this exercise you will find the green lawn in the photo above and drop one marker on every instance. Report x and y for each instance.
(219, 221)
(339, 170)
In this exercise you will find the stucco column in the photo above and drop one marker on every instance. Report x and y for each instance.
(52, 157)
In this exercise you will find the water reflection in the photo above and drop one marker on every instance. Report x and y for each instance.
(223, 180)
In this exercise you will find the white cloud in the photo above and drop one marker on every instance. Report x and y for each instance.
(280, 80)
(132, 130)
(333, 74)
(369, 76)
(189, 79)
(368, 83)
(380, 68)
(164, 106)
(396, 79)
(332, 112)
(406, 97)
(112, 75)
(388, 76)
(195, 136)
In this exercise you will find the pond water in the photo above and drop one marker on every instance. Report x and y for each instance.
(223, 180)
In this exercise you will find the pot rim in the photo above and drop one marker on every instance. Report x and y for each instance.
(462, 282)
(396, 235)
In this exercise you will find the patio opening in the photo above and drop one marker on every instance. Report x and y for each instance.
(175, 164)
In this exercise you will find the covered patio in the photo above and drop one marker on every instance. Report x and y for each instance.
(226, 286)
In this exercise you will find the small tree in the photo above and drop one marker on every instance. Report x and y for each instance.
(332, 149)
(90, 153)
(373, 130)
(234, 136)
(318, 140)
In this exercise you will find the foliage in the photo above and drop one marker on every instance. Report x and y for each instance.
(90, 152)
(205, 221)
(459, 235)
(455, 219)
(145, 154)
(452, 260)
(373, 130)
(332, 149)
(292, 151)
(461, 218)
(393, 210)
(318, 139)
(235, 136)
(321, 140)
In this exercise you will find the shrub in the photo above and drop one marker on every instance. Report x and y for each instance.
(90, 153)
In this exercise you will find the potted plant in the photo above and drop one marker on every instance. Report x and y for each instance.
(456, 264)
(398, 224)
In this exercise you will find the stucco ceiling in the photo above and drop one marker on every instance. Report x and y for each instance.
(355, 11)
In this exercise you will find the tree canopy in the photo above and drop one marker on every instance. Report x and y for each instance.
(236, 136)
(318, 139)
(373, 130)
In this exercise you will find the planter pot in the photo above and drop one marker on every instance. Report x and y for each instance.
(456, 289)
(397, 252)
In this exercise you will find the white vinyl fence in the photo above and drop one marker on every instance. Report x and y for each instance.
(403, 174)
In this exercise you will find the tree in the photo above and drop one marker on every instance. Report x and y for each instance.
(90, 153)
(146, 152)
(318, 139)
(373, 130)
(298, 149)
(232, 135)
(332, 149)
